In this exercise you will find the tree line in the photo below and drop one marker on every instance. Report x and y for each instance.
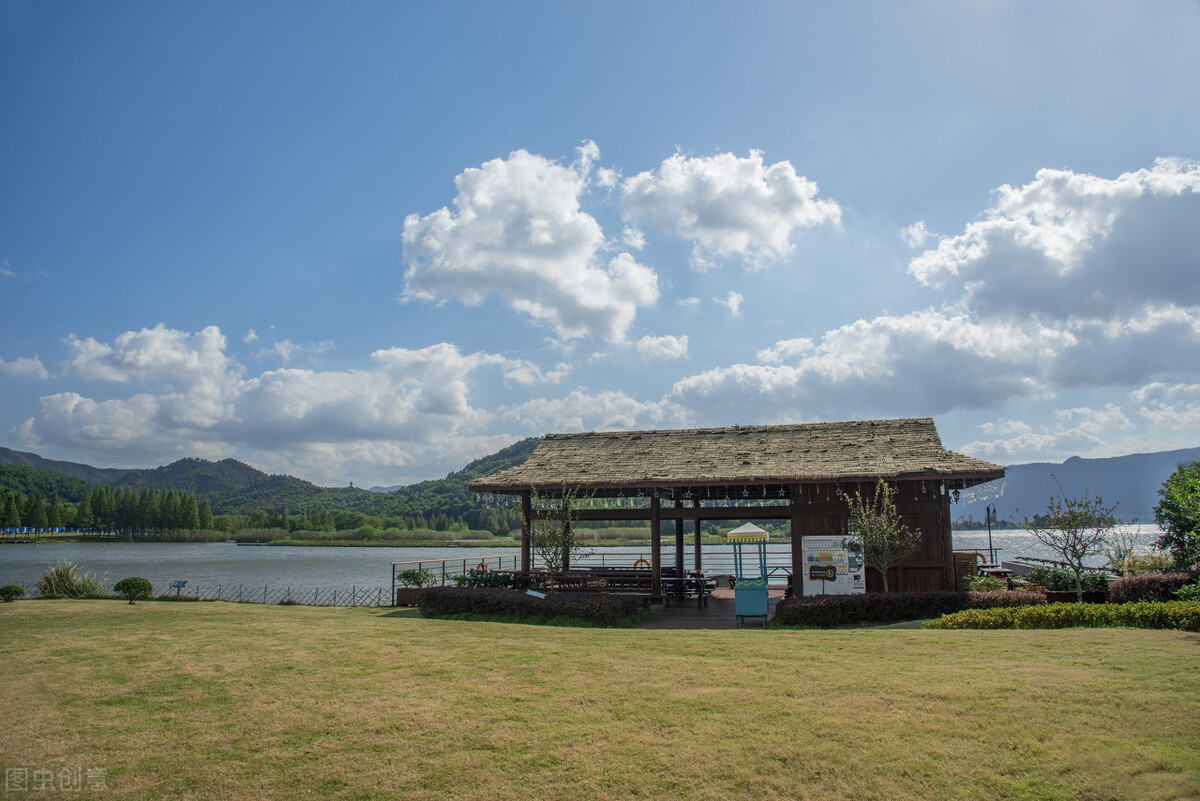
(121, 510)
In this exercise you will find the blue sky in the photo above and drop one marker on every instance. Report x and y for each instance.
(369, 242)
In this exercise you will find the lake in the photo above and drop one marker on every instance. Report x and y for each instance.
(225, 563)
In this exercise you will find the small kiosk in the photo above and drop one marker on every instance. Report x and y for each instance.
(750, 579)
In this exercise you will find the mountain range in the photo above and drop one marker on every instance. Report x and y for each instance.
(1132, 482)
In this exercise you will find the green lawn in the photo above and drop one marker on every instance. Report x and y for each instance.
(215, 700)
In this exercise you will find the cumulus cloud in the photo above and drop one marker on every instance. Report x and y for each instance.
(664, 347)
(785, 350)
(517, 232)
(24, 367)
(1156, 416)
(733, 302)
(605, 411)
(1070, 246)
(413, 408)
(916, 234)
(727, 205)
(1069, 282)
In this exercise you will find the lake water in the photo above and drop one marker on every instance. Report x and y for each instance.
(227, 564)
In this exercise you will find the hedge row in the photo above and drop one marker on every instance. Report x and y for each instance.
(598, 608)
(831, 611)
(1181, 615)
(1151, 586)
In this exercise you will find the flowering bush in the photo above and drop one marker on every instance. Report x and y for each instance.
(1151, 586)
(1180, 615)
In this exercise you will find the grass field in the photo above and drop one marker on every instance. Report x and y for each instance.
(214, 700)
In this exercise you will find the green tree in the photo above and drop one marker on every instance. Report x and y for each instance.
(876, 524)
(552, 536)
(133, 588)
(11, 516)
(1074, 528)
(189, 513)
(54, 512)
(1178, 514)
(84, 517)
(204, 515)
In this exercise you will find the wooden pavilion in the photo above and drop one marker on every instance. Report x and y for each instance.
(796, 473)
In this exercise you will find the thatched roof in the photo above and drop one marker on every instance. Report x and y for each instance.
(814, 452)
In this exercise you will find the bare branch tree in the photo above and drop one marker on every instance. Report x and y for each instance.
(875, 522)
(1074, 528)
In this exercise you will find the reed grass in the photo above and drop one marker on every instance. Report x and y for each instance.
(200, 701)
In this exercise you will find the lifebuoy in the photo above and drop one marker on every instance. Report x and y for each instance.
(642, 562)
(481, 567)
(602, 583)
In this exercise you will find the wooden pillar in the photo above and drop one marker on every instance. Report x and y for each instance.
(696, 554)
(797, 541)
(655, 546)
(679, 594)
(526, 530)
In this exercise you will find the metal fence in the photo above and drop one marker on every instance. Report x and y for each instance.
(264, 594)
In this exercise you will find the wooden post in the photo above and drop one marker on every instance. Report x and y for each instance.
(696, 547)
(679, 591)
(655, 545)
(526, 530)
(797, 544)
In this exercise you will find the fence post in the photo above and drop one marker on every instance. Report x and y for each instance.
(264, 593)
(352, 593)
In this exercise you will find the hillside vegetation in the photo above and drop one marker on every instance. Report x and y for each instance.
(242, 496)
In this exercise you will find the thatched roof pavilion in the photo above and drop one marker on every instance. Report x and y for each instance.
(788, 472)
(857, 451)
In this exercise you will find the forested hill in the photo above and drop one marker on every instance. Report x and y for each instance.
(96, 475)
(232, 487)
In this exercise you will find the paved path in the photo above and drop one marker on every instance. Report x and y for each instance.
(717, 614)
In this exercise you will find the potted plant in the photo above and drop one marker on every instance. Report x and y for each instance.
(412, 582)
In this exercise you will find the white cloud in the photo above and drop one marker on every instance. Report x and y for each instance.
(1113, 304)
(517, 232)
(1076, 246)
(606, 411)
(250, 336)
(688, 302)
(411, 410)
(1155, 417)
(916, 235)
(785, 350)
(527, 373)
(287, 350)
(729, 206)
(664, 347)
(733, 302)
(24, 367)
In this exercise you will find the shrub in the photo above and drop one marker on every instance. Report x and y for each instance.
(416, 578)
(1140, 564)
(64, 580)
(831, 611)
(598, 608)
(1056, 580)
(1151, 586)
(133, 588)
(1190, 592)
(10, 592)
(984, 583)
(1179, 615)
